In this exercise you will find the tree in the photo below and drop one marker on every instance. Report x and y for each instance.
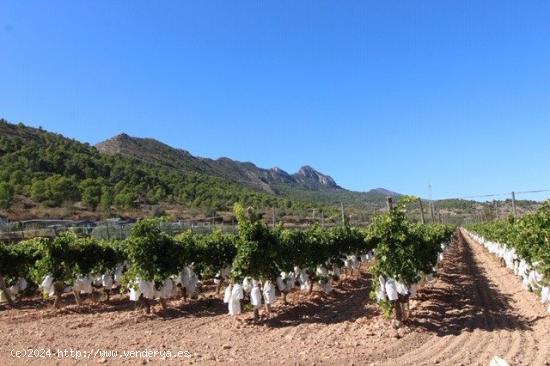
(39, 190)
(106, 198)
(126, 199)
(6, 195)
(53, 170)
(90, 191)
(61, 189)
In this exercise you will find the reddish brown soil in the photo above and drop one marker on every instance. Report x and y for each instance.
(474, 310)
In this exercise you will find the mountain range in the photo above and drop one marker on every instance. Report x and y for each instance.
(305, 183)
(43, 174)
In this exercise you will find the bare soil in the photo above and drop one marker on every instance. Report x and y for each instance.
(474, 310)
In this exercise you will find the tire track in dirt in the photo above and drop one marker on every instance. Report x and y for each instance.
(439, 313)
(508, 310)
(475, 310)
(530, 320)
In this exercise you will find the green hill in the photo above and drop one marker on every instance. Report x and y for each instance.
(43, 174)
(307, 184)
(43, 169)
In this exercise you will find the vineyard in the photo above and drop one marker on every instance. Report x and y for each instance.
(524, 247)
(153, 265)
(406, 293)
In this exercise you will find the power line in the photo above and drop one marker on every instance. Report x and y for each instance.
(500, 194)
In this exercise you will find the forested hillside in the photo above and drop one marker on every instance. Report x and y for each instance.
(43, 174)
(306, 184)
(46, 169)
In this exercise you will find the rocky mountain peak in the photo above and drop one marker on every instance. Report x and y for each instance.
(309, 176)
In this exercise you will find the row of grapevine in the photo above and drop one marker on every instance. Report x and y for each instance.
(151, 264)
(523, 245)
(406, 256)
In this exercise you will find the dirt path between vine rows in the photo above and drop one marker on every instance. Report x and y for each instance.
(474, 310)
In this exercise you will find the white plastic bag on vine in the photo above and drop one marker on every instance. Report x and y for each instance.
(347, 263)
(306, 286)
(269, 293)
(83, 284)
(401, 288)
(107, 281)
(227, 293)
(305, 283)
(380, 294)
(326, 284)
(247, 285)
(13, 290)
(96, 281)
(175, 288)
(166, 289)
(19, 286)
(22, 284)
(134, 292)
(147, 288)
(382, 281)
(290, 281)
(545, 295)
(280, 283)
(256, 295)
(303, 277)
(47, 285)
(370, 255)
(391, 290)
(189, 280)
(118, 274)
(322, 271)
(234, 303)
(336, 271)
(535, 278)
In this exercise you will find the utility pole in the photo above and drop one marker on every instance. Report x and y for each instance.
(342, 210)
(273, 215)
(322, 219)
(431, 203)
(514, 204)
(421, 211)
(439, 216)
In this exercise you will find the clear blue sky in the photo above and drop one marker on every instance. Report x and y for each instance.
(394, 94)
